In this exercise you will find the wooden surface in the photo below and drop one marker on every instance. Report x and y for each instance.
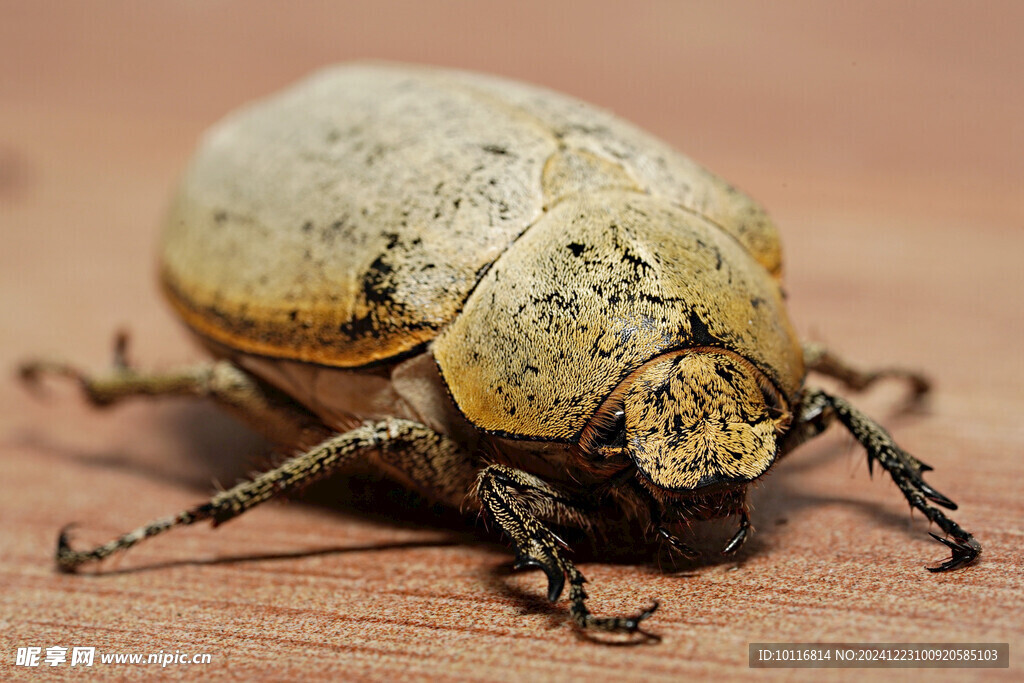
(886, 139)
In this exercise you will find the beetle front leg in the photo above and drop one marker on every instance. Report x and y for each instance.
(293, 475)
(818, 358)
(818, 410)
(505, 494)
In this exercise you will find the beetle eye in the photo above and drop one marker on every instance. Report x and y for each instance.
(613, 434)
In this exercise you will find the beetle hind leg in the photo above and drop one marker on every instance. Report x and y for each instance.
(510, 498)
(820, 359)
(819, 409)
(258, 405)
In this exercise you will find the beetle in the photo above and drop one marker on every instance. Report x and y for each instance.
(504, 297)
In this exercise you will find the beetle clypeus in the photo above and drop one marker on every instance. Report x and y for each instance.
(498, 295)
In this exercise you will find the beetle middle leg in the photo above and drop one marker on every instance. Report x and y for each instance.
(434, 451)
(818, 409)
(514, 500)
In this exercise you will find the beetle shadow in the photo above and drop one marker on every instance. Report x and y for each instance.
(555, 615)
(221, 449)
(782, 496)
(219, 446)
(497, 580)
(777, 495)
(272, 556)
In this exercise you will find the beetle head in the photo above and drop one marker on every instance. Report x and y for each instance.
(695, 423)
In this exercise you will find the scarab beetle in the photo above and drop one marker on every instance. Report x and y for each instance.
(504, 297)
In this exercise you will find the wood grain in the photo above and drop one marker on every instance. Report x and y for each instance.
(886, 138)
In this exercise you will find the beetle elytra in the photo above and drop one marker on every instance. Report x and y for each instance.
(501, 296)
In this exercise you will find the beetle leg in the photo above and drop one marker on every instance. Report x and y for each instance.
(291, 476)
(818, 409)
(814, 415)
(429, 461)
(543, 500)
(507, 495)
(734, 544)
(818, 358)
(740, 537)
(673, 541)
(676, 544)
(258, 405)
